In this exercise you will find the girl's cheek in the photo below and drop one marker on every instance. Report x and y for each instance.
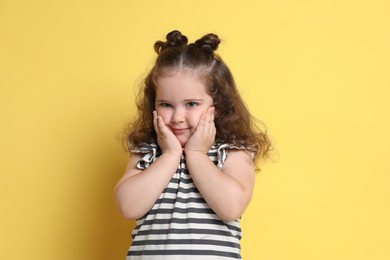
(164, 115)
(199, 117)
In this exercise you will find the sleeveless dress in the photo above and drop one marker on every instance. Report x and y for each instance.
(181, 225)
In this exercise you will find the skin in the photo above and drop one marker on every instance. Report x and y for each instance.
(184, 121)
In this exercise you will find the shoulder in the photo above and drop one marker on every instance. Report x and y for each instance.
(220, 152)
(144, 155)
(238, 157)
(140, 159)
(144, 148)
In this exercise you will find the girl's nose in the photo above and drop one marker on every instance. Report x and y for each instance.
(178, 115)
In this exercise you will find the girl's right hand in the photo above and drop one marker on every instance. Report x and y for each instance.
(166, 140)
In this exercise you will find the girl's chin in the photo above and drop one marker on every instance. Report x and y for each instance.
(183, 141)
(183, 144)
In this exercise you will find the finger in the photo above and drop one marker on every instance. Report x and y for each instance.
(206, 121)
(161, 125)
(212, 114)
(202, 122)
(155, 122)
(209, 124)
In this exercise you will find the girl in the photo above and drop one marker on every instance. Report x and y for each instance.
(193, 146)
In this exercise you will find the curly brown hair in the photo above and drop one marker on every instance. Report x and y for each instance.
(234, 123)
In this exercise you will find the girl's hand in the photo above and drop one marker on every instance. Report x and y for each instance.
(166, 140)
(204, 136)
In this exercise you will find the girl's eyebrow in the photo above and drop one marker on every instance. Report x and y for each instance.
(186, 100)
(194, 99)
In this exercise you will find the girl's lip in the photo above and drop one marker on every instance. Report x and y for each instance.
(178, 130)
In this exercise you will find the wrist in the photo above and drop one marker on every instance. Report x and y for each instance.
(191, 152)
(175, 153)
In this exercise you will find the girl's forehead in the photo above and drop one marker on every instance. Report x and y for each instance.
(191, 73)
(179, 80)
(182, 75)
(183, 84)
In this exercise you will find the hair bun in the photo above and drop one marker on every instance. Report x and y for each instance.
(174, 39)
(209, 41)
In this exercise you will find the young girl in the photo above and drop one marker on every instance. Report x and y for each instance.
(193, 146)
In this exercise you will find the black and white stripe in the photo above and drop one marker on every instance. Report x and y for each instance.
(181, 225)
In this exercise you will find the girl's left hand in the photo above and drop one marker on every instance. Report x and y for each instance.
(204, 136)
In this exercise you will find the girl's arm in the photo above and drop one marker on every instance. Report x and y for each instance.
(229, 191)
(137, 191)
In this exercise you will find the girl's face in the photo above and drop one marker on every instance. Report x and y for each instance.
(181, 100)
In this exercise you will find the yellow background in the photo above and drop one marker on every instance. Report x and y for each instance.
(316, 72)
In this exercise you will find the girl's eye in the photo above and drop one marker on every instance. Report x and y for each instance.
(165, 105)
(192, 104)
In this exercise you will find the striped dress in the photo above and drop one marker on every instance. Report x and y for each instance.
(181, 225)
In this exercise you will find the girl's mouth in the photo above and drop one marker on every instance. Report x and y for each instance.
(178, 131)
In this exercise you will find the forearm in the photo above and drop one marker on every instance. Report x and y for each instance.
(224, 194)
(137, 194)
